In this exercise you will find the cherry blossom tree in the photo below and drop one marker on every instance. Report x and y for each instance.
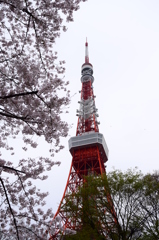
(33, 95)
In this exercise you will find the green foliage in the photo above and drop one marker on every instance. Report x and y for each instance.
(121, 205)
(85, 233)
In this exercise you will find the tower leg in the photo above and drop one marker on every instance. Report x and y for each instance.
(86, 161)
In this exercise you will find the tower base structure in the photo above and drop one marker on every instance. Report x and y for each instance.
(89, 154)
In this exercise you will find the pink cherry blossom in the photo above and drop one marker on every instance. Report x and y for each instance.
(30, 104)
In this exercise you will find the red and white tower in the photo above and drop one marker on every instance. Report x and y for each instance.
(88, 148)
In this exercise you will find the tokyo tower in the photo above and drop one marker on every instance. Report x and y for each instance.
(88, 148)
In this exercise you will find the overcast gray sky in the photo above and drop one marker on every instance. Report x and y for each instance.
(123, 38)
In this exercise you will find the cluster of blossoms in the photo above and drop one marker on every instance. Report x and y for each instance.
(30, 104)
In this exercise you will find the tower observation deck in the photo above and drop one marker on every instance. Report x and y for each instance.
(88, 148)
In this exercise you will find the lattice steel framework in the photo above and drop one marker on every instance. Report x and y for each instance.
(89, 150)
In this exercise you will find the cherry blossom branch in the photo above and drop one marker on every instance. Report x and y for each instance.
(38, 134)
(30, 231)
(8, 78)
(19, 94)
(11, 115)
(13, 169)
(26, 3)
(35, 219)
(28, 63)
(38, 45)
(42, 100)
(26, 194)
(10, 207)
(24, 119)
(21, 215)
(27, 30)
(7, 3)
(17, 54)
